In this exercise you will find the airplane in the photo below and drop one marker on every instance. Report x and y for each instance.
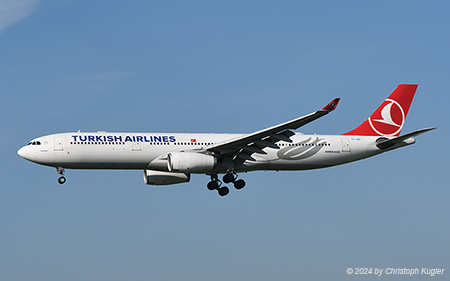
(168, 159)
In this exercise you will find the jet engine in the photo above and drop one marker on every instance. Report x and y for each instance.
(190, 162)
(152, 177)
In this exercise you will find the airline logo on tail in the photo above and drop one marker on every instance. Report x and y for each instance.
(388, 120)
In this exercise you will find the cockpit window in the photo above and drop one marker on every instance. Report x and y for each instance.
(34, 143)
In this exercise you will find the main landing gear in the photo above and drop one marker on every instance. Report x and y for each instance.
(61, 179)
(215, 183)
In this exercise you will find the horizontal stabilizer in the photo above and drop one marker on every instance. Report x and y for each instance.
(387, 143)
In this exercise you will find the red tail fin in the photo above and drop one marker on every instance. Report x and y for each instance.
(390, 116)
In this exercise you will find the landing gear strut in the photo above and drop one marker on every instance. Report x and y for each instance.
(215, 183)
(61, 179)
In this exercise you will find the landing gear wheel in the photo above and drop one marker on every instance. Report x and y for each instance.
(239, 184)
(223, 191)
(213, 185)
(227, 178)
(61, 180)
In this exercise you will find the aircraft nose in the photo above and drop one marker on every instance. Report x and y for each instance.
(22, 152)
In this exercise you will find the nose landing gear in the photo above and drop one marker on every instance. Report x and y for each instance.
(60, 172)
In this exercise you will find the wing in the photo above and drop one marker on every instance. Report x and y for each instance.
(243, 147)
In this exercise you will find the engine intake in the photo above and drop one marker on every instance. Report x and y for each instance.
(190, 162)
(152, 177)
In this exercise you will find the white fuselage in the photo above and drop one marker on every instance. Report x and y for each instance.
(105, 150)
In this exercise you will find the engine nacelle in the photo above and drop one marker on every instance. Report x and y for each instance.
(190, 162)
(152, 177)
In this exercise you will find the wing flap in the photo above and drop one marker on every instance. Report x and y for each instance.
(245, 156)
(266, 143)
(281, 137)
(254, 149)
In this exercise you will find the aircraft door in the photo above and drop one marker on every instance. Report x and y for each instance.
(346, 145)
(58, 144)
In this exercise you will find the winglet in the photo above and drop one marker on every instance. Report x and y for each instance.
(332, 105)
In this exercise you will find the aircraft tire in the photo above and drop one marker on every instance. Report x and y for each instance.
(213, 185)
(239, 184)
(61, 180)
(223, 191)
(227, 178)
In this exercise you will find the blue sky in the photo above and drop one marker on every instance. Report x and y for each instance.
(237, 67)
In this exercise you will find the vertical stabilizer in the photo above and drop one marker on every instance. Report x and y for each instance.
(390, 116)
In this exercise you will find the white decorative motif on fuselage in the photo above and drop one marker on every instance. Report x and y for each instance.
(301, 150)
